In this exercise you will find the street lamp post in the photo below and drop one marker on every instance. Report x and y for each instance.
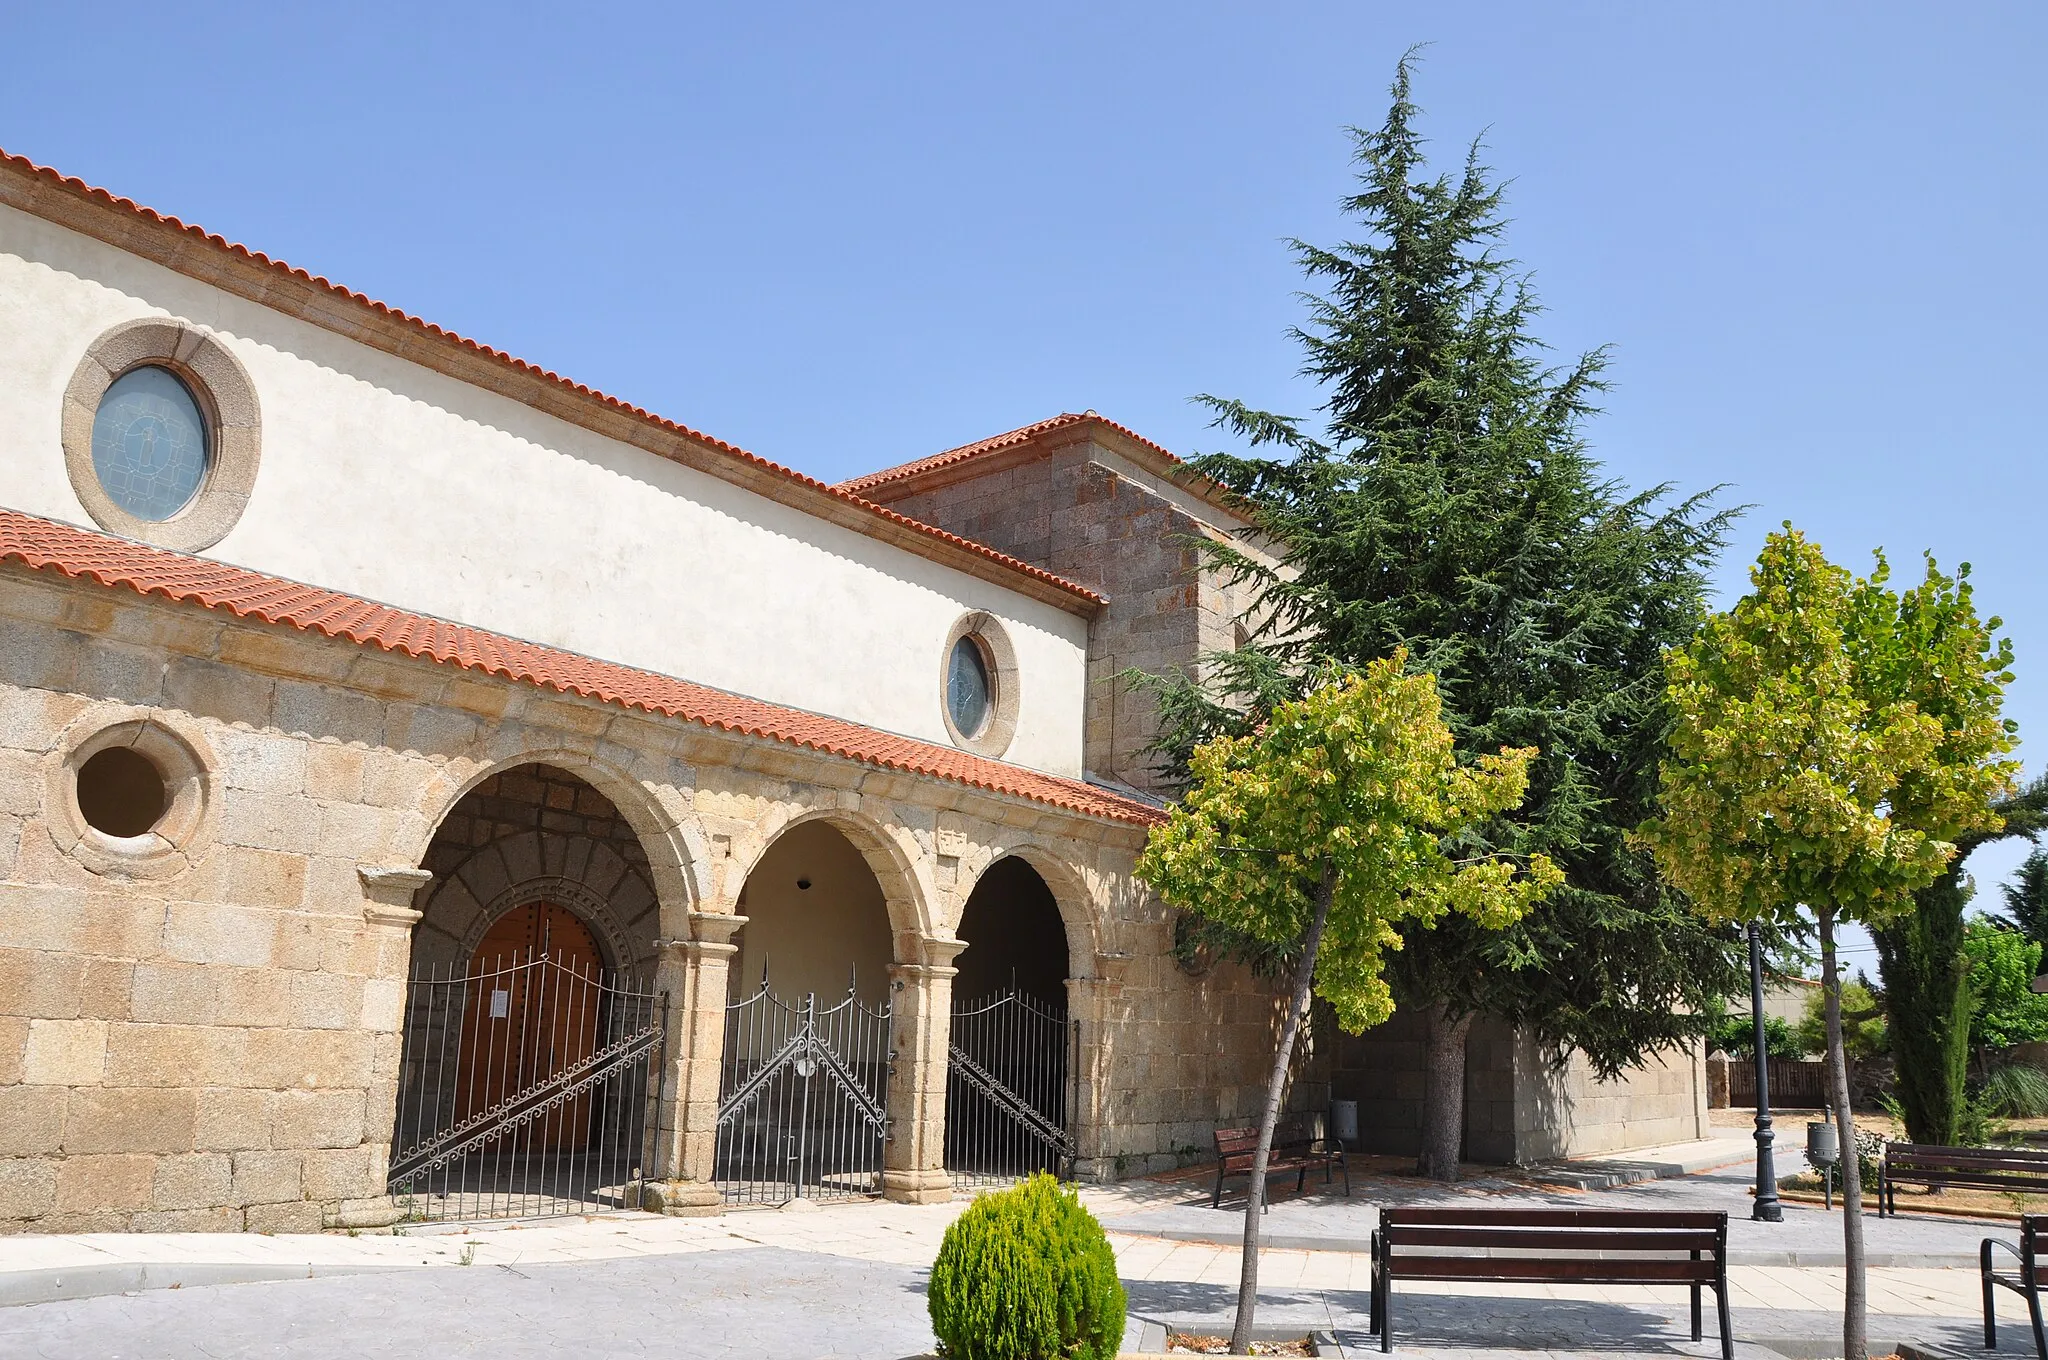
(1767, 1209)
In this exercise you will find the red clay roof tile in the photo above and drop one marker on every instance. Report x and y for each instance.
(46, 545)
(861, 485)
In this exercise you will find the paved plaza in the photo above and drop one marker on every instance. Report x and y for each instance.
(847, 1280)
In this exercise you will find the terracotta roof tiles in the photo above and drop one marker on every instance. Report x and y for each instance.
(1166, 460)
(45, 545)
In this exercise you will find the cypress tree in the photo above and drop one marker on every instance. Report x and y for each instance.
(1926, 975)
(1449, 507)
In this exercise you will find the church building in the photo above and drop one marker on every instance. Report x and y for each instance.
(434, 788)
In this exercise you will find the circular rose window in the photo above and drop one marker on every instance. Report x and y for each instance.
(150, 443)
(978, 685)
(969, 694)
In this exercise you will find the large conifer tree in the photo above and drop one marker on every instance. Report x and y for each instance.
(1449, 507)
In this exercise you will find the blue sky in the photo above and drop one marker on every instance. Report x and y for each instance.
(843, 236)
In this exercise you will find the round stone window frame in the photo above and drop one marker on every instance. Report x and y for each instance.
(999, 659)
(180, 835)
(227, 403)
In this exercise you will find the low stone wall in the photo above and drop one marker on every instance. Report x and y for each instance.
(1520, 1107)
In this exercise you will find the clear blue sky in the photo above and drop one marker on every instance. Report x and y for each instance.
(843, 236)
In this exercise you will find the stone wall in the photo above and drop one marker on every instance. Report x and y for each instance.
(1519, 1106)
(1070, 509)
(202, 1031)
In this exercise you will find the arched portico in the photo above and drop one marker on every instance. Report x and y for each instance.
(532, 1023)
(826, 1071)
(1009, 1093)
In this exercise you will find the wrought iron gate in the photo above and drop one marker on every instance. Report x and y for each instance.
(802, 1099)
(1006, 1090)
(524, 1090)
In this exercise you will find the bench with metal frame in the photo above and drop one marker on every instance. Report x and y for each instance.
(2027, 1283)
(1967, 1168)
(1297, 1147)
(1551, 1246)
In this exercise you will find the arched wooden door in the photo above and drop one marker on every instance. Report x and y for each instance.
(533, 1010)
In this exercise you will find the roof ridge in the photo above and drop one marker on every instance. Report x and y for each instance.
(1174, 466)
(117, 563)
(192, 231)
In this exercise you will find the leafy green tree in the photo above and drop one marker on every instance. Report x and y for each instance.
(1326, 831)
(1865, 1033)
(1802, 771)
(1449, 508)
(1735, 1035)
(2002, 967)
(2026, 897)
(1927, 646)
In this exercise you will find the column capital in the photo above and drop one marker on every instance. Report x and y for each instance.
(715, 927)
(936, 951)
(390, 892)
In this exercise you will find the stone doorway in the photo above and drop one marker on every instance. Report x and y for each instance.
(532, 1027)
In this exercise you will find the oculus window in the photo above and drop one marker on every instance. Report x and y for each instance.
(969, 689)
(150, 443)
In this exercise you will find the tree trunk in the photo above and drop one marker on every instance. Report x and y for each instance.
(1854, 1341)
(1443, 1092)
(1255, 1194)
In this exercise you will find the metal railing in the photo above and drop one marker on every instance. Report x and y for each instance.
(523, 1090)
(1006, 1090)
(802, 1099)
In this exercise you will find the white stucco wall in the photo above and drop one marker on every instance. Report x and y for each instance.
(388, 480)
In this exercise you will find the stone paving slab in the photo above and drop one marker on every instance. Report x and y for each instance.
(757, 1302)
(765, 1301)
(1320, 1221)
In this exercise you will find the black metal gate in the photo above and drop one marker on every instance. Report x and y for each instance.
(802, 1099)
(523, 1091)
(1006, 1090)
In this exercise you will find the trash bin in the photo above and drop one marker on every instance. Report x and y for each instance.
(1344, 1121)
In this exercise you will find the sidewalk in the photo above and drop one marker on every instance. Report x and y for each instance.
(847, 1280)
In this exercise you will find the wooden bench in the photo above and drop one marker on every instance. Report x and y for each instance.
(1936, 1167)
(1296, 1147)
(2026, 1283)
(1551, 1246)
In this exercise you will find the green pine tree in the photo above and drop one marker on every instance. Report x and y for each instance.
(2026, 897)
(1449, 507)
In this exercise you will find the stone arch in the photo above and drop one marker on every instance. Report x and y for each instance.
(590, 878)
(532, 832)
(673, 844)
(1078, 914)
(890, 854)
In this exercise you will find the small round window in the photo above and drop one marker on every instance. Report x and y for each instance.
(969, 693)
(150, 444)
(121, 792)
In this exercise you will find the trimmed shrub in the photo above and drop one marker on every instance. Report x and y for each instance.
(1026, 1274)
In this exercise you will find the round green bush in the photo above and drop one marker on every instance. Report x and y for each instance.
(1026, 1274)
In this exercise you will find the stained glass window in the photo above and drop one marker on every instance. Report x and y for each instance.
(149, 443)
(967, 688)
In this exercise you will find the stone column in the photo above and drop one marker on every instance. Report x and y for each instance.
(685, 1101)
(389, 916)
(921, 1024)
(1095, 1004)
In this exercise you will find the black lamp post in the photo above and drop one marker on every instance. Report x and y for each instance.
(1767, 1209)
